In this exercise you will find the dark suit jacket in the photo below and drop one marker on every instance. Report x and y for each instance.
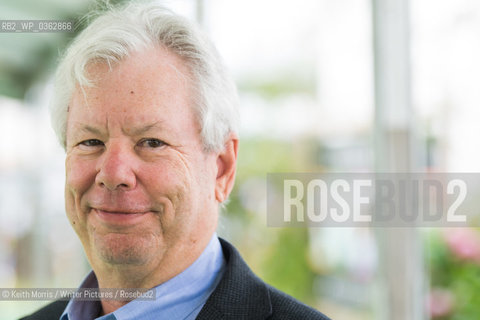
(239, 295)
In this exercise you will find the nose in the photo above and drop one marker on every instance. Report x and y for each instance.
(115, 171)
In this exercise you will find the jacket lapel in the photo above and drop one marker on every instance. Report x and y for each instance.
(240, 294)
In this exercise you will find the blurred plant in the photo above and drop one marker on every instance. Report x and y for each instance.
(278, 255)
(454, 262)
(286, 265)
(464, 244)
(440, 303)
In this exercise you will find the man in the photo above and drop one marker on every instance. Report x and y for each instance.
(148, 119)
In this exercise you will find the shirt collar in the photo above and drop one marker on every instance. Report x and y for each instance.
(181, 297)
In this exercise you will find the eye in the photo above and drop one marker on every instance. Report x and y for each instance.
(151, 143)
(91, 143)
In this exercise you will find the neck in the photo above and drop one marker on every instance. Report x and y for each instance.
(151, 274)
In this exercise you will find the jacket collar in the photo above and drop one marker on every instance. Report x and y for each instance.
(240, 294)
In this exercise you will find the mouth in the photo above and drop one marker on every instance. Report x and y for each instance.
(120, 218)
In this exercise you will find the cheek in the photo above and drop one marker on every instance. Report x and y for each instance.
(168, 180)
(169, 184)
(80, 175)
(204, 178)
(79, 178)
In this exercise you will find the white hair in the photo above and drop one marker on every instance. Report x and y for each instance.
(120, 31)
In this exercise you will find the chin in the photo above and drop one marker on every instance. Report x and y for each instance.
(125, 249)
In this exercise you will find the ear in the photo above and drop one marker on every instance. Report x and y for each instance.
(226, 167)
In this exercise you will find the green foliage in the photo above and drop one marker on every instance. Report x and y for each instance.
(288, 82)
(279, 256)
(257, 158)
(285, 266)
(459, 276)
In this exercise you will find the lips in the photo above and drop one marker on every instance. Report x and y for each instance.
(120, 217)
(121, 211)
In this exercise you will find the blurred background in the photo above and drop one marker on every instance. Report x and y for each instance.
(325, 86)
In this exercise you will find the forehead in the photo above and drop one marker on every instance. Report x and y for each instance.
(148, 83)
(140, 68)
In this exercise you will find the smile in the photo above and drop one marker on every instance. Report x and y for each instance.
(120, 218)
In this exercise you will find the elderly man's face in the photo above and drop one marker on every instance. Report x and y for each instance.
(140, 189)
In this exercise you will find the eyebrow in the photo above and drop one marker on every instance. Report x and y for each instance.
(144, 129)
(91, 129)
(135, 131)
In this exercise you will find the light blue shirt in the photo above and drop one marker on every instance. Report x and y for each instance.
(181, 297)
